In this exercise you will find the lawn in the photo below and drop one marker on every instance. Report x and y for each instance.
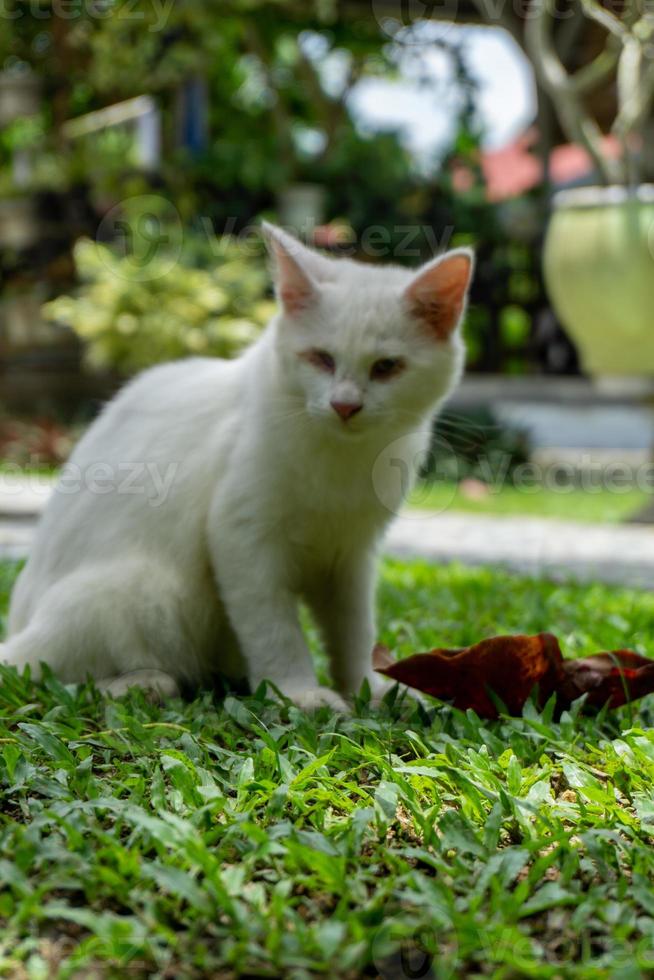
(568, 503)
(243, 837)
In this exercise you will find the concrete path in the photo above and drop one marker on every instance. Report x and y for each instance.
(23, 496)
(617, 554)
(21, 502)
(15, 539)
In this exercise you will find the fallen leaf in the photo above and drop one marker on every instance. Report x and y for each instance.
(510, 667)
(616, 678)
(473, 489)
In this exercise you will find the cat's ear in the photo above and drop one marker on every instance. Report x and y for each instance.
(295, 284)
(437, 295)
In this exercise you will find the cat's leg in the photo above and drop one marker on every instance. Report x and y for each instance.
(343, 604)
(42, 643)
(118, 624)
(263, 612)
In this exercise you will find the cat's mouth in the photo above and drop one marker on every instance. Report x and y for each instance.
(348, 430)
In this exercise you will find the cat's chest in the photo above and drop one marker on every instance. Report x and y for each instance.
(318, 526)
(361, 489)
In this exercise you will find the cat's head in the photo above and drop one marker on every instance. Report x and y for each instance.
(368, 346)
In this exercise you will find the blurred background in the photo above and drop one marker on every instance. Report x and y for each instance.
(142, 142)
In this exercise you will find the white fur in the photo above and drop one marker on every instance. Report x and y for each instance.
(264, 497)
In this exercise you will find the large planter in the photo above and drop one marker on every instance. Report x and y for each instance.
(599, 271)
(19, 96)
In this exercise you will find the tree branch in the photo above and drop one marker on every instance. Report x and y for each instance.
(580, 127)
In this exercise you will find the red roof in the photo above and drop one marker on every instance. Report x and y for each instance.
(516, 168)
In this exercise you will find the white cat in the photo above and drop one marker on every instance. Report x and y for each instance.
(211, 496)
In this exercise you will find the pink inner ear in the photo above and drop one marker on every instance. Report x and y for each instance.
(437, 295)
(294, 288)
(294, 299)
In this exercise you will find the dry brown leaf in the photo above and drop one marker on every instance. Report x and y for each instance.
(512, 666)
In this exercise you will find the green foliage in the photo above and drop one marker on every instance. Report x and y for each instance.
(264, 90)
(372, 183)
(133, 313)
(278, 77)
(475, 444)
(248, 838)
(507, 290)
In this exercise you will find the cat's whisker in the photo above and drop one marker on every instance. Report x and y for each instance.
(467, 436)
(465, 424)
(454, 426)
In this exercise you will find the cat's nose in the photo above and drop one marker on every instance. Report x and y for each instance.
(346, 409)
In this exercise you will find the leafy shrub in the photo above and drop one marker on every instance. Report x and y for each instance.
(131, 316)
(475, 444)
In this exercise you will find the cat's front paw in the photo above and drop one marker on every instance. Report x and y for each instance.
(311, 698)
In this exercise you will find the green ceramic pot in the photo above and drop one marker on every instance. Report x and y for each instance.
(599, 271)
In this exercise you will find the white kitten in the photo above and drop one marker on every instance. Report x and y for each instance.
(211, 496)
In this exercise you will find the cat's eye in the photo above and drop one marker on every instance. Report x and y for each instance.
(386, 367)
(321, 359)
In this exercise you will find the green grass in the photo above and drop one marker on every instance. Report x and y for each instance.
(219, 839)
(573, 505)
(7, 468)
